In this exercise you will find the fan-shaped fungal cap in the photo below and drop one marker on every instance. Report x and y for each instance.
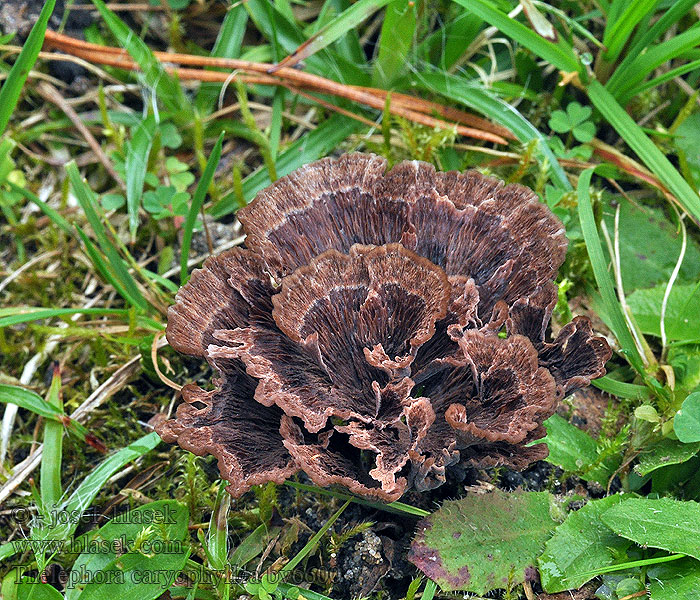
(358, 336)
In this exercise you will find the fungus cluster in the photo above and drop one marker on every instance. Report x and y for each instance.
(377, 328)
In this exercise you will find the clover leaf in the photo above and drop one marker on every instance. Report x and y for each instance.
(574, 120)
(180, 177)
(166, 201)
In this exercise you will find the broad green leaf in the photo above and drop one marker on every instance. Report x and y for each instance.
(677, 477)
(81, 498)
(37, 591)
(679, 580)
(112, 201)
(575, 451)
(134, 576)
(686, 141)
(577, 113)
(686, 423)
(671, 525)
(650, 246)
(580, 544)
(484, 541)
(12, 87)
(685, 360)
(163, 549)
(682, 317)
(570, 448)
(663, 453)
(559, 122)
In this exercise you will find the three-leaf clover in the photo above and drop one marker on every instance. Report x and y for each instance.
(178, 173)
(166, 201)
(574, 120)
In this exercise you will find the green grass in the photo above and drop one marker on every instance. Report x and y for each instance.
(89, 265)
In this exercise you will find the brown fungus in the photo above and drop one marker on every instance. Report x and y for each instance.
(359, 335)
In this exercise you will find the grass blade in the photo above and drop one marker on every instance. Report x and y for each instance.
(84, 494)
(25, 314)
(652, 83)
(274, 25)
(276, 121)
(349, 19)
(57, 219)
(295, 593)
(348, 46)
(429, 590)
(634, 563)
(633, 73)
(166, 87)
(28, 400)
(138, 149)
(196, 205)
(104, 269)
(651, 156)
(622, 389)
(116, 264)
(11, 394)
(618, 30)
(227, 45)
(396, 507)
(217, 544)
(602, 277)
(645, 37)
(313, 541)
(559, 54)
(12, 88)
(395, 42)
(462, 91)
(50, 472)
(311, 146)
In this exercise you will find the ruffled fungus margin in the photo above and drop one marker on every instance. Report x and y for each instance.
(377, 328)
